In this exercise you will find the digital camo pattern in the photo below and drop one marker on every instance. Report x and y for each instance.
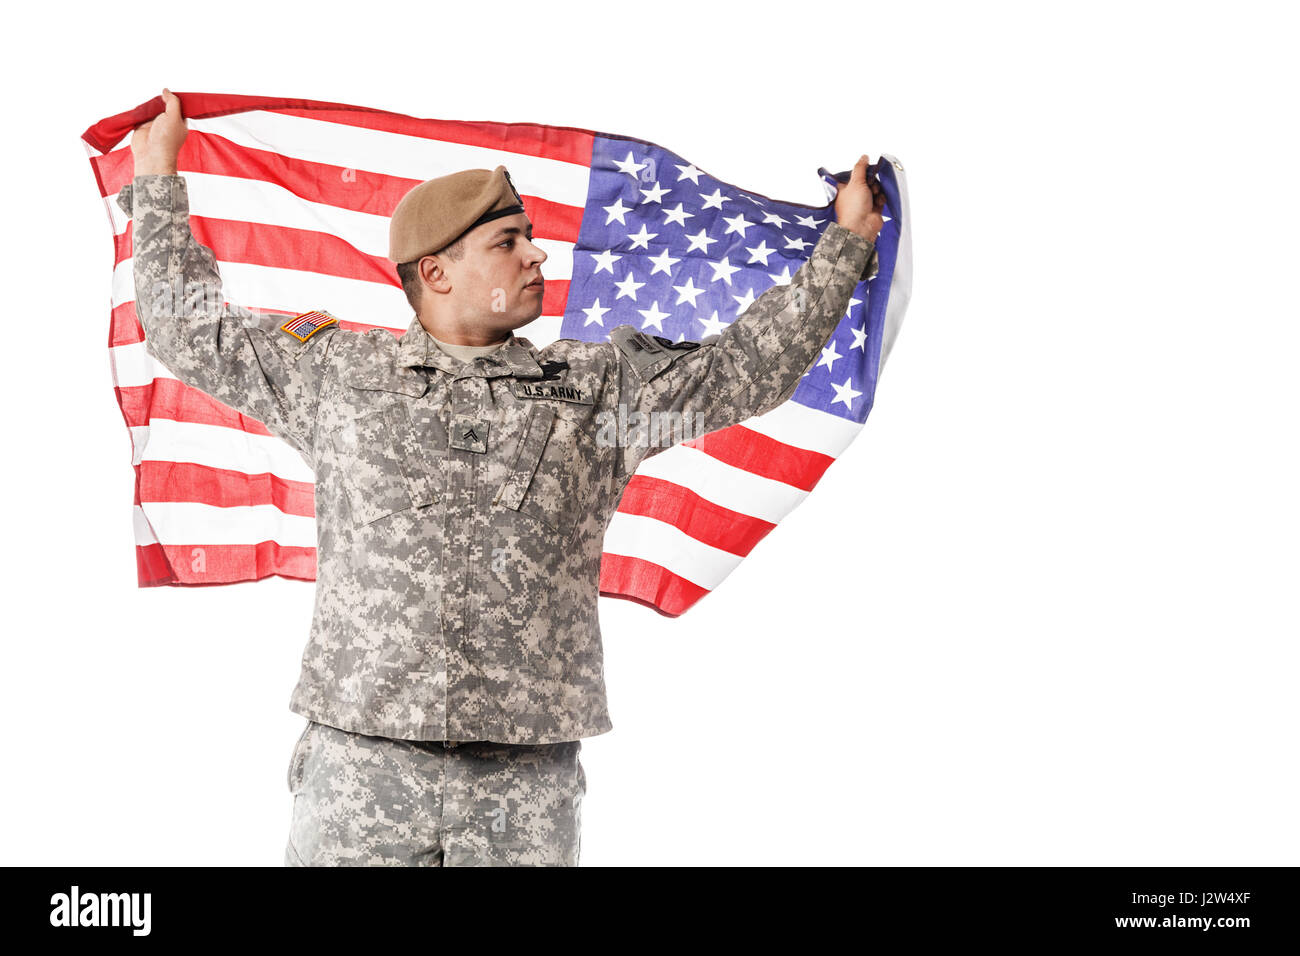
(461, 507)
(371, 801)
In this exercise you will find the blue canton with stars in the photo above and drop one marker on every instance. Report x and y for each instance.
(672, 251)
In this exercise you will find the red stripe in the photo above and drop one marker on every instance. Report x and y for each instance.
(108, 132)
(221, 487)
(698, 517)
(567, 143)
(358, 190)
(763, 455)
(647, 583)
(172, 399)
(281, 247)
(198, 564)
(125, 328)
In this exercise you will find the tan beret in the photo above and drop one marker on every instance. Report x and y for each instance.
(439, 211)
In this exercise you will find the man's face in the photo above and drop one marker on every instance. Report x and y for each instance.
(498, 284)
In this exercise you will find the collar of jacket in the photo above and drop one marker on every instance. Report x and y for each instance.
(417, 347)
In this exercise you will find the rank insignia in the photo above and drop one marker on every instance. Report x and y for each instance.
(469, 434)
(302, 327)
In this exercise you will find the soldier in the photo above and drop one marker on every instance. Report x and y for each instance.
(463, 487)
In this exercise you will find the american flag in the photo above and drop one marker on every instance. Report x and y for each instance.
(302, 326)
(293, 197)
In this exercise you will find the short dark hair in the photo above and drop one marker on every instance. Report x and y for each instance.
(409, 272)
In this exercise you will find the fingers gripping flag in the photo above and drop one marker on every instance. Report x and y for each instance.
(293, 198)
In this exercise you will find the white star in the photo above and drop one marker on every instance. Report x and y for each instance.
(744, 301)
(723, 270)
(642, 238)
(715, 199)
(605, 260)
(617, 211)
(754, 199)
(678, 215)
(809, 221)
(760, 252)
(654, 317)
(595, 314)
(829, 355)
(797, 244)
(774, 219)
(687, 291)
(700, 241)
(712, 325)
(852, 303)
(859, 338)
(689, 172)
(627, 287)
(783, 278)
(738, 224)
(845, 393)
(630, 166)
(663, 263)
(654, 194)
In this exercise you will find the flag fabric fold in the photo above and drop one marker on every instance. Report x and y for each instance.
(293, 197)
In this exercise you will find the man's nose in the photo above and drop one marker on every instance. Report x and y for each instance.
(535, 254)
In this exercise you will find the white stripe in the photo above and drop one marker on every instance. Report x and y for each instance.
(269, 287)
(133, 366)
(395, 154)
(900, 286)
(265, 203)
(139, 441)
(802, 427)
(219, 447)
(192, 523)
(542, 331)
(636, 536)
(140, 526)
(723, 484)
(293, 291)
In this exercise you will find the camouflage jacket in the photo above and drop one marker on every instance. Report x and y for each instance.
(461, 507)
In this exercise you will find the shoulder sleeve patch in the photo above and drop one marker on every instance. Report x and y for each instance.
(647, 354)
(304, 326)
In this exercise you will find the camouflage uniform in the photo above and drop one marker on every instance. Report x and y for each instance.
(374, 801)
(461, 506)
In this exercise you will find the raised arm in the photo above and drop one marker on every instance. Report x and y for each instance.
(756, 362)
(253, 365)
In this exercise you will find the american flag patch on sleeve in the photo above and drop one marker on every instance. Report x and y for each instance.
(301, 327)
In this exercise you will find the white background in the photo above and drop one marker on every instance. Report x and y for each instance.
(1043, 611)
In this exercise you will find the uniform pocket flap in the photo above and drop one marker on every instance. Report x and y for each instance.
(538, 430)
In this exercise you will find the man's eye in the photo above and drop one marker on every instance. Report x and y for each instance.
(508, 242)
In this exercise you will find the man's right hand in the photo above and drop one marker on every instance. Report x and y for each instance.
(156, 144)
(860, 204)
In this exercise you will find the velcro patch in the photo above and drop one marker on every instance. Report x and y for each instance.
(304, 326)
(647, 354)
(670, 344)
(533, 388)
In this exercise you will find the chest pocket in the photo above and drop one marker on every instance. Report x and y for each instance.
(539, 483)
(384, 466)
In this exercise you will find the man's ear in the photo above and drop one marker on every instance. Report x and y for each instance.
(432, 274)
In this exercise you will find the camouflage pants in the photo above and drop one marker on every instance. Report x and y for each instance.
(376, 801)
